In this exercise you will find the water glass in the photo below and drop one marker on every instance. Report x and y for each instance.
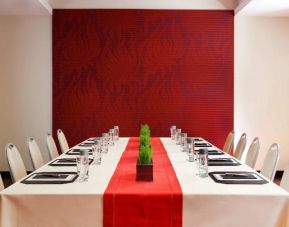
(116, 132)
(173, 132)
(186, 146)
(105, 141)
(190, 149)
(203, 162)
(184, 141)
(97, 151)
(82, 165)
(111, 137)
(197, 162)
(178, 136)
(94, 147)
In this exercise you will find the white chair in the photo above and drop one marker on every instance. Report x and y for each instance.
(285, 179)
(35, 153)
(240, 146)
(62, 141)
(1, 184)
(51, 146)
(271, 161)
(15, 162)
(229, 142)
(253, 153)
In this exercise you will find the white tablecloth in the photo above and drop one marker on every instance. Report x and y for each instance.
(205, 203)
(77, 204)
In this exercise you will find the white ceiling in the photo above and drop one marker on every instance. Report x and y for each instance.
(144, 4)
(279, 8)
(44, 7)
(245, 8)
(25, 7)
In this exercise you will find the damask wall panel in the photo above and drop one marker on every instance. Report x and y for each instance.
(127, 67)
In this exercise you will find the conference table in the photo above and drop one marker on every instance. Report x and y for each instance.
(176, 197)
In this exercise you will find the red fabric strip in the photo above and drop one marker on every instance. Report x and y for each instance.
(127, 202)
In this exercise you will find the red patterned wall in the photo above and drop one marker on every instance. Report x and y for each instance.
(126, 67)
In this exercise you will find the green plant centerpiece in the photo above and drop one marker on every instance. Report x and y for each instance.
(144, 167)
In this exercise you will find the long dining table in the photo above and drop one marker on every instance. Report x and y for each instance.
(176, 197)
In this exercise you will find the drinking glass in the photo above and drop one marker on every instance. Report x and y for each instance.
(178, 136)
(116, 132)
(190, 150)
(184, 141)
(82, 165)
(97, 150)
(203, 162)
(173, 132)
(105, 141)
(197, 162)
(186, 147)
(111, 135)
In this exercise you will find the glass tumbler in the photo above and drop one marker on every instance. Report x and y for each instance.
(184, 141)
(190, 149)
(197, 162)
(116, 132)
(105, 141)
(186, 147)
(97, 150)
(203, 162)
(178, 136)
(82, 165)
(111, 137)
(173, 132)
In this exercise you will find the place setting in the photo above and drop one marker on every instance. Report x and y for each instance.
(223, 162)
(202, 145)
(77, 151)
(50, 178)
(237, 177)
(86, 144)
(65, 162)
(215, 152)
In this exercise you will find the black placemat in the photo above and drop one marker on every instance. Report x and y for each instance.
(202, 145)
(92, 139)
(223, 162)
(259, 180)
(40, 178)
(197, 139)
(85, 144)
(215, 152)
(65, 162)
(77, 151)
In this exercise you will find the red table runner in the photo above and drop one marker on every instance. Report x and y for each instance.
(158, 203)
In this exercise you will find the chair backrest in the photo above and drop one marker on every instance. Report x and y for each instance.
(1, 184)
(51, 146)
(285, 179)
(35, 153)
(253, 153)
(15, 162)
(62, 141)
(240, 146)
(229, 142)
(271, 161)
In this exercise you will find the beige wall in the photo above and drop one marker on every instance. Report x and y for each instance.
(262, 82)
(25, 82)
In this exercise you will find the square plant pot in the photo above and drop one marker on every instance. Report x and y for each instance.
(144, 172)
